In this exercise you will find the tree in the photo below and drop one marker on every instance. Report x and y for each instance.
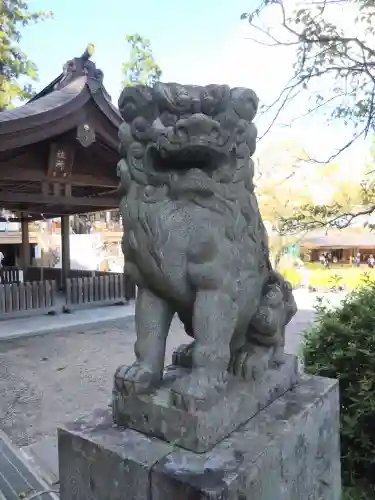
(279, 203)
(334, 57)
(14, 63)
(346, 200)
(334, 68)
(343, 203)
(141, 67)
(294, 199)
(283, 190)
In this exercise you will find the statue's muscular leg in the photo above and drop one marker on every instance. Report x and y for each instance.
(215, 316)
(153, 317)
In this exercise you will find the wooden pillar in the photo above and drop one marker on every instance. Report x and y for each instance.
(25, 244)
(65, 249)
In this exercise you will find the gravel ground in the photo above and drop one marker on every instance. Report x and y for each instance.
(48, 380)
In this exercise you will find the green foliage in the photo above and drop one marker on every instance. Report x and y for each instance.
(141, 67)
(14, 63)
(336, 280)
(350, 278)
(313, 266)
(358, 492)
(292, 275)
(320, 279)
(341, 345)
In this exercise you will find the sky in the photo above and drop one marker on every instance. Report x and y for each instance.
(190, 39)
(194, 41)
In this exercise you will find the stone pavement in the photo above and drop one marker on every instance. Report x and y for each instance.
(39, 325)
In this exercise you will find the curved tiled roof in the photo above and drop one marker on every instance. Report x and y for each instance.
(46, 103)
(344, 239)
(56, 109)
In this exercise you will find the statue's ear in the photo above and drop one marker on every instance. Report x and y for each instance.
(159, 87)
(245, 102)
(125, 136)
(124, 174)
(164, 95)
(251, 133)
(136, 101)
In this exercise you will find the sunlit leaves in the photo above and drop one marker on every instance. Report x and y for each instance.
(346, 200)
(14, 63)
(141, 67)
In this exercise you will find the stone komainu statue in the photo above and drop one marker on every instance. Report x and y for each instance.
(194, 240)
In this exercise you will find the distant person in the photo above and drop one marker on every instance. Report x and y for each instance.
(2, 256)
(322, 259)
(371, 261)
(357, 260)
(50, 226)
(326, 262)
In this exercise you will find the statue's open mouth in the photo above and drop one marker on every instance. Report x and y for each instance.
(187, 157)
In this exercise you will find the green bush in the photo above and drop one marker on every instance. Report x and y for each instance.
(292, 275)
(358, 492)
(348, 278)
(313, 266)
(341, 345)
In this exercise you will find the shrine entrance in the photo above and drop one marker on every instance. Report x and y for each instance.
(58, 157)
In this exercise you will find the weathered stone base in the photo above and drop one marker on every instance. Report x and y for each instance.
(288, 451)
(196, 411)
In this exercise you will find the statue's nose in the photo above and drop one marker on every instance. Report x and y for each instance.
(198, 124)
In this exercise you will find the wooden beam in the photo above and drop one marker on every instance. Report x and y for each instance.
(65, 249)
(25, 244)
(31, 218)
(63, 201)
(17, 174)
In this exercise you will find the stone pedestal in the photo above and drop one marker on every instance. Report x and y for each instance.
(195, 410)
(287, 451)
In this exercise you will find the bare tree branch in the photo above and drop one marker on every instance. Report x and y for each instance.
(337, 68)
(323, 51)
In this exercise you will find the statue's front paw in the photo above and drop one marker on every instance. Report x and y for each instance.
(135, 379)
(250, 362)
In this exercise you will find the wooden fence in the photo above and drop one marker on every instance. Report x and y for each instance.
(46, 273)
(18, 298)
(110, 288)
(9, 275)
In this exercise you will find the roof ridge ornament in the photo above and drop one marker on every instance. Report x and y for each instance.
(80, 66)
